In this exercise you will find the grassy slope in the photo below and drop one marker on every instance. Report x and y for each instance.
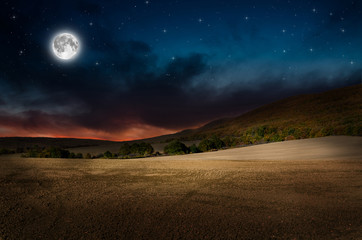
(335, 112)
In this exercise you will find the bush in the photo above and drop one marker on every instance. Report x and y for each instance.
(194, 149)
(107, 154)
(145, 148)
(218, 143)
(175, 148)
(206, 145)
(230, 141)
(125, 149)
(50, 152)
(137, 149)
(261, 131)
(55, 152)
(209, 144)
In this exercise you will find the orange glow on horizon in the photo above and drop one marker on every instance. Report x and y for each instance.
(135, 133)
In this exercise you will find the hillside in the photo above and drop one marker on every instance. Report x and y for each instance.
(335, 112)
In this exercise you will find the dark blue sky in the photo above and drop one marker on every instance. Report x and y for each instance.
(153, 67)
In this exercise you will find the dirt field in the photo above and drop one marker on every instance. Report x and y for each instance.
(305, 189)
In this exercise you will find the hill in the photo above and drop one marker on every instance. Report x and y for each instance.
(335, 112)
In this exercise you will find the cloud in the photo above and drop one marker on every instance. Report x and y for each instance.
(129, 93)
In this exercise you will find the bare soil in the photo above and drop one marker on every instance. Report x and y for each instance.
(305, 189)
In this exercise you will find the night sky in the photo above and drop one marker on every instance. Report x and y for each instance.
(148, 68)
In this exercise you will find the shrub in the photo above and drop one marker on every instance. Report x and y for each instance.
(247, 139)
(206, 145)
(145, 148)
(262, 130)
(229, 141)
(276, 138)
(175, 148)
(217, 142)
(51, 152)
(136, 149)
(213, 143)
(55, 152)
(194, 149)
(107, 154)
(125, 149)
(327, 131)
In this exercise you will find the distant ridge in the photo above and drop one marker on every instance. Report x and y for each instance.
(335, 112)
(24, 142)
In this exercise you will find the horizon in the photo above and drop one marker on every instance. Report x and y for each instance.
(150, 68)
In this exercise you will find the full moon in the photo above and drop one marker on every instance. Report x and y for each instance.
(65, 46)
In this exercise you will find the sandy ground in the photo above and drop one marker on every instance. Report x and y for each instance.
(305, 189)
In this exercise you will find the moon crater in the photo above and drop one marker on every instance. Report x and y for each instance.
(65, 46)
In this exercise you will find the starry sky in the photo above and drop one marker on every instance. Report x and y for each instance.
(148, 68)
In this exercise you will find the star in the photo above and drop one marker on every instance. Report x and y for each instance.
(351, 62)
(343, 30)
(284, 30)
(164, 31)
(284, 51)
(246, 18)
(147, 2)
(200, 20)
(173, 58)
(314, 10)
(90, 24)
(311, 49)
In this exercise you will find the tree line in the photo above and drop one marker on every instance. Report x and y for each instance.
(254, 135)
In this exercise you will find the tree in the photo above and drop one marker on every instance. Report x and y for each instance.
(229, 141)
(125, 149)
(145, 148)
(175, 148)
(194, 149)
(209, 144)
(141, 148)
(206, 145)
(217, 142)
(135, 148)
(107, 154)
